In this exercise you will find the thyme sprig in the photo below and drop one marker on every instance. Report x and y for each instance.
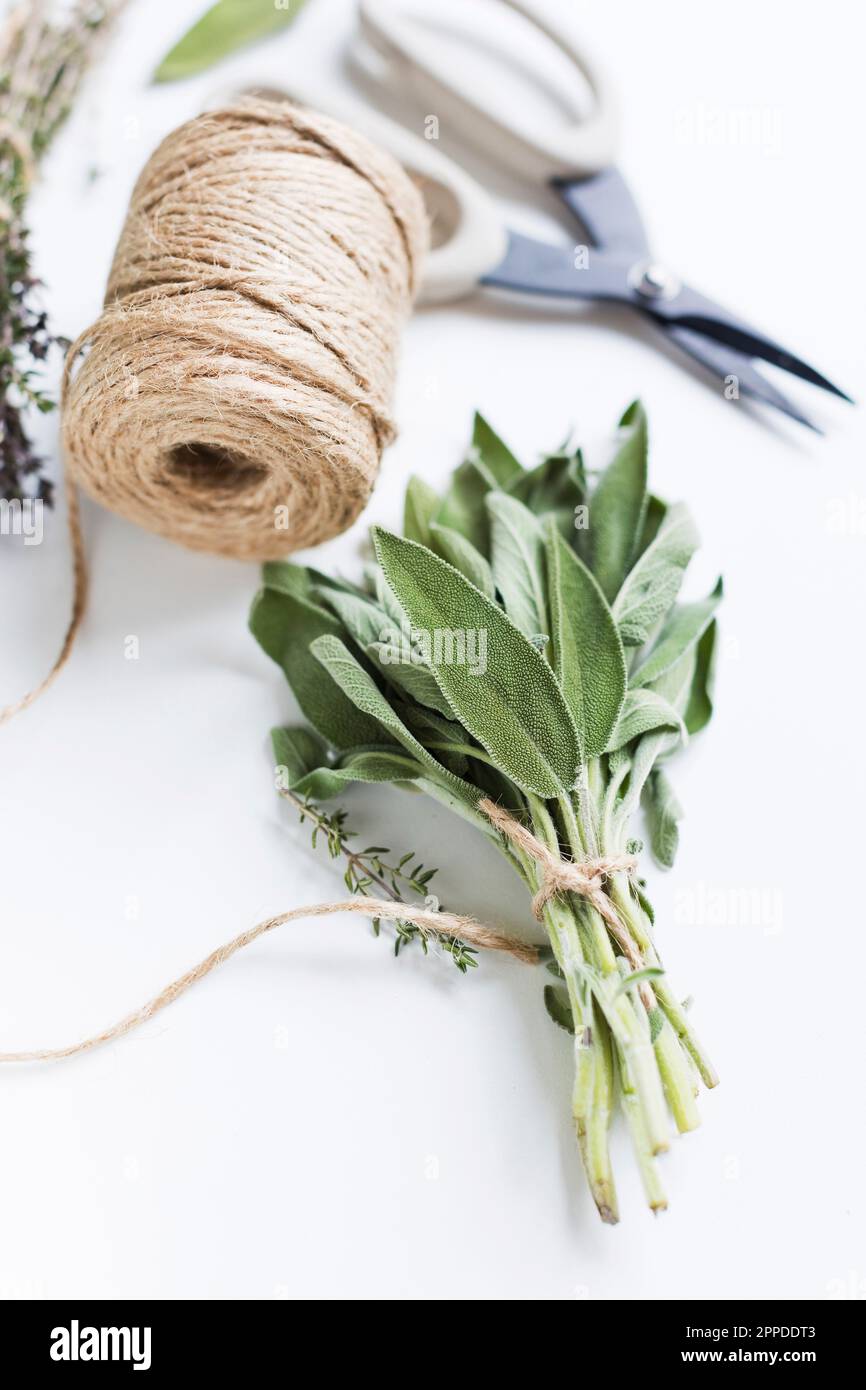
(367, 870)
(45, 48)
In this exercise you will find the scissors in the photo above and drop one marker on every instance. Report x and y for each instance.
(577, 163)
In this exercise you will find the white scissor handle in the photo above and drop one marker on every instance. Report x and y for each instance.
(477, 238)
(574, 152)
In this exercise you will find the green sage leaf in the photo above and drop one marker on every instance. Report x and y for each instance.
(684, 626)
(358, 686)
(462, 508)
(299, 751)
(647, 972)
(588, 656)
(225, 27)
(361, 765)
(495, 457)
(699, 709)
(652, 585)
(419, 509)
(663, 813)
(517, 560)
(461, 553)
(643, 711)
(285, 624)
(411, 678)
(618, 505)
(513, 706)
(557, 1003)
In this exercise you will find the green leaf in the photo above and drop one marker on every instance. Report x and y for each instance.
(647, 972)
(298, 750)
(461, 553)
(285, 624)
(361, 765)
(419, 508)
(555, 487)
(495, 456)
(618, 505)
(411, 678)
(652, 585)
(514, 708)
(656, 510)
(517, 558)
(225, 27)
(462, 507)
(364, 621)
(663, 813)
(643, 711)
(699, 709)
(684, 626)
(557, 1004)
(355, 683)
(386, 600)
(588, 657)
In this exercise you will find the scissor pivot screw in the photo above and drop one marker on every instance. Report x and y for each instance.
(653, 280)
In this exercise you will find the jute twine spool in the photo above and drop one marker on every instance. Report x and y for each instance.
(235, 393)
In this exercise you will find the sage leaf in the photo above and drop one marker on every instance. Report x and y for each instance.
(652, 585)
(386, 600)
(411, 678)
(588, 655)
(663, 814)
(284, 624)
(557, 487)
(647, 972)
(225, 27)
(656, 511)
(419, 509)
(517, 559)
(496, 458)
(699, 709)
(618, 505)
(361, 765)
(463, 508)
(557, 1003)
(359, 687)
(643, 711)
(461, 553)
(299, 750)
(364, 621)
(684, 626)
(513, 707)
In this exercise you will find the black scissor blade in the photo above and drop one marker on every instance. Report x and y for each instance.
(737, 372)
(690, 310)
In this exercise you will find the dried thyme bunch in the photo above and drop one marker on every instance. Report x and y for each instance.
(45, 48)
(520, 650)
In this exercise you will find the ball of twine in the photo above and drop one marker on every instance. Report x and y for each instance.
(235, 393)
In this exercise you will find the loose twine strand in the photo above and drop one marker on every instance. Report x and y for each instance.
(559, 876)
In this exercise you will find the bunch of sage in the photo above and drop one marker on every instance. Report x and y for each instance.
(521, 645)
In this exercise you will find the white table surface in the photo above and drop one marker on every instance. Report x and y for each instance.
(318, 1119)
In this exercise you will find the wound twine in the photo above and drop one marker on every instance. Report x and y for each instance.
(558, 876)
(234, 395)
(235, 392)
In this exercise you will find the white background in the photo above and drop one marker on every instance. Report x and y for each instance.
(319, 1119)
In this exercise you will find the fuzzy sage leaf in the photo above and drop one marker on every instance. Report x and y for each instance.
(514, 706)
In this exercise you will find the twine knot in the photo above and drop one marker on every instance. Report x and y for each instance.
(584, 877)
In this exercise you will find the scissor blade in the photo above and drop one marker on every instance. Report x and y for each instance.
(690, 310)
(539, 267)
(737, 373)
